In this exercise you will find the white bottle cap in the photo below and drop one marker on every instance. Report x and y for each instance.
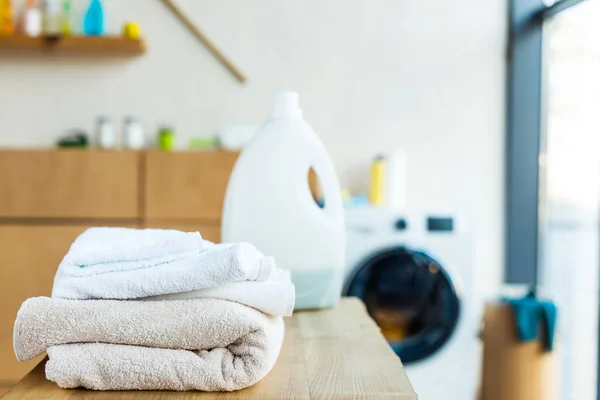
(286, 106)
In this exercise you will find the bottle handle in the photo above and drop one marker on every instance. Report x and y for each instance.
(329, 186)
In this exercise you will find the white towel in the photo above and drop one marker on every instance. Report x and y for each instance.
(275, 296)
(122, 263)
(204, 344)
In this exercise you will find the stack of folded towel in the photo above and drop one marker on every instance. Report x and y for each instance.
(158, 310)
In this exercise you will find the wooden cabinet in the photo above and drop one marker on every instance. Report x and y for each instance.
(48, 197)
(28, 259)
(68, 184)
(210, 230)
(183, 186)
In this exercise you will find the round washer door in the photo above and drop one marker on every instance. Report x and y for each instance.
(411, 297)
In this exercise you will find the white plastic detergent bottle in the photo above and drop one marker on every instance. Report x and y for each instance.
(269, 204)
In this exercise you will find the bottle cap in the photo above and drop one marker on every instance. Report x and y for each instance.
(286, 106)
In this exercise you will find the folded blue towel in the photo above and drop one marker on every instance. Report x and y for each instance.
(531, 314)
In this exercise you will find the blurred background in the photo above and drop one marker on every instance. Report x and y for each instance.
(482, 113)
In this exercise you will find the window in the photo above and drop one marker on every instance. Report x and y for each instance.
(554, 173)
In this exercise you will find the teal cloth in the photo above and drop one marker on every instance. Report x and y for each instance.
(532, 314)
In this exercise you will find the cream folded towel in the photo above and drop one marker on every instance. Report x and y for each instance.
(203, 344)
(123, 263)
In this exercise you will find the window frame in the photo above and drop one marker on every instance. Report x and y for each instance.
(524, 98)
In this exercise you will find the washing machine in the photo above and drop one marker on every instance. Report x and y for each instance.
(414, 270)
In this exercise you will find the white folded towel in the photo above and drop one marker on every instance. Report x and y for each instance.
(122, 263)
(204, 344)
(275, 296)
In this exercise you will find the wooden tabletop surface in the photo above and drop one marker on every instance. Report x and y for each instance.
(329, 354)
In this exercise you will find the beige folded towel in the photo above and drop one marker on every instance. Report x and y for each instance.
(204, 344)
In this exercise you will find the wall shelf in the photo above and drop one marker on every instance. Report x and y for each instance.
(74, 45)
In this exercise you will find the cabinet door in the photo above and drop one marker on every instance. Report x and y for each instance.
(69, 184)
(186, 185)
(29, 257)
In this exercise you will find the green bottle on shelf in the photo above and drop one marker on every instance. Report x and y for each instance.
(66, 28)
(166, 139)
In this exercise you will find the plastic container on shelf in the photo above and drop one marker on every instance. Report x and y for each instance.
(133, 134)
(106, 135)
(93, 22)
(269, 204)
(31, 23)
(51, 17)
(66, 26)
(166, 138)
(7, 26)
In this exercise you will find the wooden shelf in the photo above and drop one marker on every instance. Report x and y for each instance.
(90, 45)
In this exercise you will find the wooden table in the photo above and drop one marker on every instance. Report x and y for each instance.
(329, 354)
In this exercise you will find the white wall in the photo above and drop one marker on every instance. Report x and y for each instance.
(427, 76)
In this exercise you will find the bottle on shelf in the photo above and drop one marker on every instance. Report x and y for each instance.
(376, 186)
(106, 136)
(7, 26)
(66, 27)
(93, 22)
(51, 18)
(31, 24)
(133, 134)
(166, 138)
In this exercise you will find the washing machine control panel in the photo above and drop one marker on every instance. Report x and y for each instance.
(403, 224)
(440, 224)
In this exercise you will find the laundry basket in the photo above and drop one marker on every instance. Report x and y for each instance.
(514, 369)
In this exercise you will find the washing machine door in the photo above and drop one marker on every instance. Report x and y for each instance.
(411, 297)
